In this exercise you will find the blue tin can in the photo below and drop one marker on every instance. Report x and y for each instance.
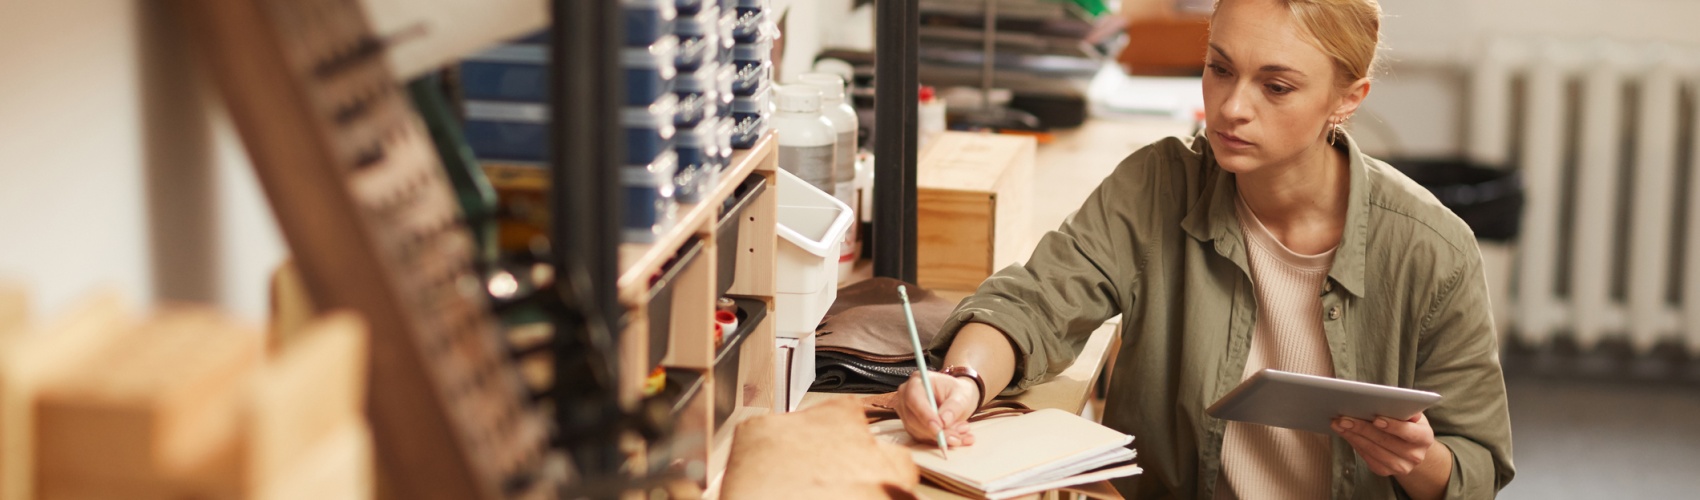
(749, 118)
(686, 7)
(699, 95)
(703, 22)
(754, 66)
(723, 130)
(649, 130)
(508, 131)
(515, 72)
(649, 70)
(650, 206)
(749, 25)
(647, 20)
(695, 51)
(699, 147)
(728, 25)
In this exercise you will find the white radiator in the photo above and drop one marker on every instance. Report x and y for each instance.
(1605, 133)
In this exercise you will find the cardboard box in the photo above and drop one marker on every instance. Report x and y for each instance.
(973, 192)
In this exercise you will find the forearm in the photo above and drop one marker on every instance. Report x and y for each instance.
(1428, 480)
(988, 351)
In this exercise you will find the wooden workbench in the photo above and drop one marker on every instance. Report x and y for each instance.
(1071, 390)
(1067, 170)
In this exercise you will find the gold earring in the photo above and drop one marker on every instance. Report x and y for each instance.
(1333, 130)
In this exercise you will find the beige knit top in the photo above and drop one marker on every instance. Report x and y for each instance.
(1265, 462)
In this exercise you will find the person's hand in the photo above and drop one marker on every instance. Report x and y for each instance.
(1391, 447)
(958, 397)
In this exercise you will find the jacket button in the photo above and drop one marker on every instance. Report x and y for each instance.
(1327, 286)
(1334, 312)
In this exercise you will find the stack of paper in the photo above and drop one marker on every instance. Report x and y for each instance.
(1040, 451)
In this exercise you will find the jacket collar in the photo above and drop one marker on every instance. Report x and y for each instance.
(1212, 217)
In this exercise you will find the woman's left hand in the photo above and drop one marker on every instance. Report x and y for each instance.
(1404, 450)
(1390, 447)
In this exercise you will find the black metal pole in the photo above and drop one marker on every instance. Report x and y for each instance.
(584, 233)
(895, 133)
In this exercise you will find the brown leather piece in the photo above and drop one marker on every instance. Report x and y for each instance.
(822, 452)
(867, 320)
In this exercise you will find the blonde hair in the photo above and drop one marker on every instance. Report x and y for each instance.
(1347, 31)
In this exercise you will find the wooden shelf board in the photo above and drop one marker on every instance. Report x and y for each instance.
(639, 261)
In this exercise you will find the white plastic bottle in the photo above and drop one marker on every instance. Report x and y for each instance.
(842, 116)
(930, 116)
(806, 140)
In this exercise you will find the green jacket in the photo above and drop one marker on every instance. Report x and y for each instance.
(1158, 243)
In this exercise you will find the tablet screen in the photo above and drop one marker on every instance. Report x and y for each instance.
(1308, 402)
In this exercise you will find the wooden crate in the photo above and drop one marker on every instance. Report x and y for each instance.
(14, 308)
(306, 408)
(28, 360)
(972, 199)
(183, 404)
(154, 413)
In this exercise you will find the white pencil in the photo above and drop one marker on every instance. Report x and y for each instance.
(921, 363)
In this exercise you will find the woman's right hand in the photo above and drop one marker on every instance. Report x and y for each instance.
(958, 397)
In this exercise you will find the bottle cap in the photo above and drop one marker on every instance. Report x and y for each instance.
(830, 85)
(799, 99)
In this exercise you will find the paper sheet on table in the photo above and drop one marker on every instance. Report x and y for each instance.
(1115, 94)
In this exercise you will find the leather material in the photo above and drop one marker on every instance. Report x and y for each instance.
(839, 372)
(863, 346)
(787, 455)
(867, 319)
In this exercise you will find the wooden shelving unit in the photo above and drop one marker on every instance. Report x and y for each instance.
(639, 261)
(690, 348)
(425, 35)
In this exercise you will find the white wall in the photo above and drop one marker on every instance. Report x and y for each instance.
(1450, 29)
(117, 169)
(1430, 42)
(813, 25)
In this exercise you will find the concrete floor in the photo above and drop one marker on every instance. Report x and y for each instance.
(1587, 436)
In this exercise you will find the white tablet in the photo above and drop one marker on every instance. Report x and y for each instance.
(1309, 403)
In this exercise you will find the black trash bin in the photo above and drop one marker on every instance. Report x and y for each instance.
(1490, 200)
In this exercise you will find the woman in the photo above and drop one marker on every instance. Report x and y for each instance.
(1268, 241)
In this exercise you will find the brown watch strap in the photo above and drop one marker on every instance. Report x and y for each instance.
(968, 372)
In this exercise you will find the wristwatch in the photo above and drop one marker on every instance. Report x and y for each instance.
(968, 372)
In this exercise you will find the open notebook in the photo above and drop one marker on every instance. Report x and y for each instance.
(1013, 456)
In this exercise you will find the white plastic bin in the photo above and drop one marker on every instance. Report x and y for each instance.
(794, 371)
(812, 224)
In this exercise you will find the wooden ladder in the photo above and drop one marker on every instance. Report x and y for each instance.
(374, 226)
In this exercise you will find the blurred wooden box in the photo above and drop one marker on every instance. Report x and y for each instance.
(1172, 45)
(972, 197)
(183, 404)
(153, 413)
